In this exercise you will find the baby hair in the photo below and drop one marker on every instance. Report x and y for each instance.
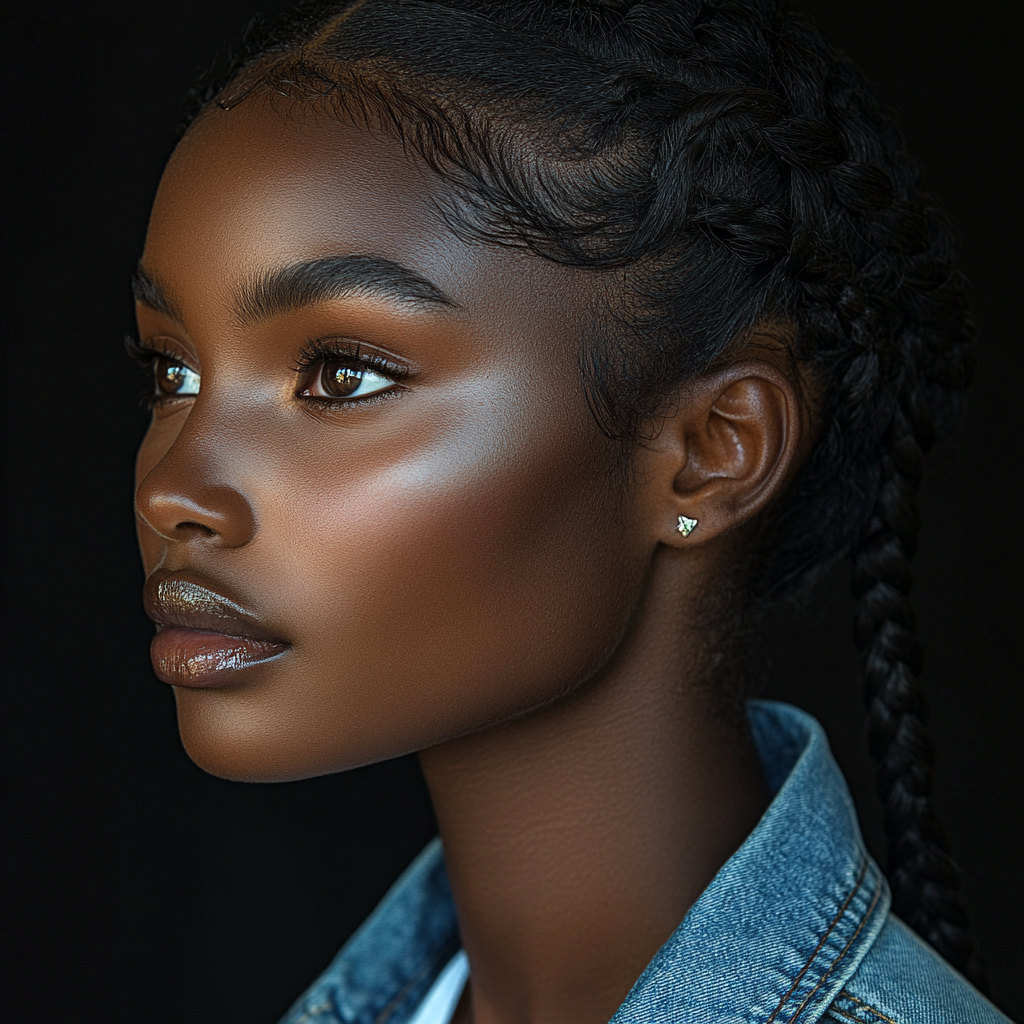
(732, 172)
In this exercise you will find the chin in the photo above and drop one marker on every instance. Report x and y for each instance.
(232, 740)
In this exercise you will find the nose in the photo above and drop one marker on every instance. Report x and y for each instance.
(215, 513)
(179, 501)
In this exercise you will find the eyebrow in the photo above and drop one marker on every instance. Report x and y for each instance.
(303, 284)
(147, 290)
(334, 277)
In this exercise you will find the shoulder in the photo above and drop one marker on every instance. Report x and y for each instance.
(902, 980)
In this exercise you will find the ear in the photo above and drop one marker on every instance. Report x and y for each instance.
(724, 453)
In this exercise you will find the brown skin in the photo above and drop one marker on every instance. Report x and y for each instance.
(453, 567)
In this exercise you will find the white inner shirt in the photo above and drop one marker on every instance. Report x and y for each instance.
(438, 1006)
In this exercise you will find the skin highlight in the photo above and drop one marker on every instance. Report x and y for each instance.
(449, 566)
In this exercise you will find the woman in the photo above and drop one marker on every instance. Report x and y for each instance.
(510, 359)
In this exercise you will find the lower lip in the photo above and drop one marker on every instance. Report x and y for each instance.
(192, 657)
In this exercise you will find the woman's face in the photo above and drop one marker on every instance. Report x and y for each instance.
(385, 516)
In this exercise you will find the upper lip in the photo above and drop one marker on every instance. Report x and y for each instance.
(177, 600)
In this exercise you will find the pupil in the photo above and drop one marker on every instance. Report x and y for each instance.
(341, 381)
(171, 378)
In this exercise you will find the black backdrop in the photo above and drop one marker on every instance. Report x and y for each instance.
(138, 888)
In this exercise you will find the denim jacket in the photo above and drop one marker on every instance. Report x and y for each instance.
(795, 927)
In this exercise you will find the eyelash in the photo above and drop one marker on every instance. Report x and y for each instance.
(143, 356)
(314, 353)
(320, 351)
(332, 350)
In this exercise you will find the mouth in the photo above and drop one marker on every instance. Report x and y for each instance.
(203, 639)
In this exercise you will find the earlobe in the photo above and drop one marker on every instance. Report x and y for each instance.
(728, 449)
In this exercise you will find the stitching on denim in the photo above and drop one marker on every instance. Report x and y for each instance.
(834, 1011)
(446, 952)
(860, 1002)
(843, 952)
(821, 941)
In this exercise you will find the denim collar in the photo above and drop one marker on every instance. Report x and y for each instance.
(772, 940)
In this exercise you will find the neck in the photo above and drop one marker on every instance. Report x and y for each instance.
(576, 837)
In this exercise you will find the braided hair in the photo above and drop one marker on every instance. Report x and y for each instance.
(737, 175)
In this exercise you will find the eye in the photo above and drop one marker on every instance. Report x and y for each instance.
(335, 380)
(173, 379)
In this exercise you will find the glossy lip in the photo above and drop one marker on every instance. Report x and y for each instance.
(203, 638)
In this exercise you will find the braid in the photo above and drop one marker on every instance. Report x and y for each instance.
(737, 172)
(924, 878)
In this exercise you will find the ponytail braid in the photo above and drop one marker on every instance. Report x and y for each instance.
(924, 878)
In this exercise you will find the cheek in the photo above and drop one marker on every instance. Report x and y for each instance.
(435, 593)
(452, 560)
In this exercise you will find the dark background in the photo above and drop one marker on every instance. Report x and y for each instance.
(138, 888)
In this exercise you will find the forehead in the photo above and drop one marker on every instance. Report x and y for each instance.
(271, 183)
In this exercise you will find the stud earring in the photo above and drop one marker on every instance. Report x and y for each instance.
(686, 526)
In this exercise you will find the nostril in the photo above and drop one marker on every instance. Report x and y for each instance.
(198, 529)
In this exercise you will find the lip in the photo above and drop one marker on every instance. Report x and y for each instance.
(203, 638)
